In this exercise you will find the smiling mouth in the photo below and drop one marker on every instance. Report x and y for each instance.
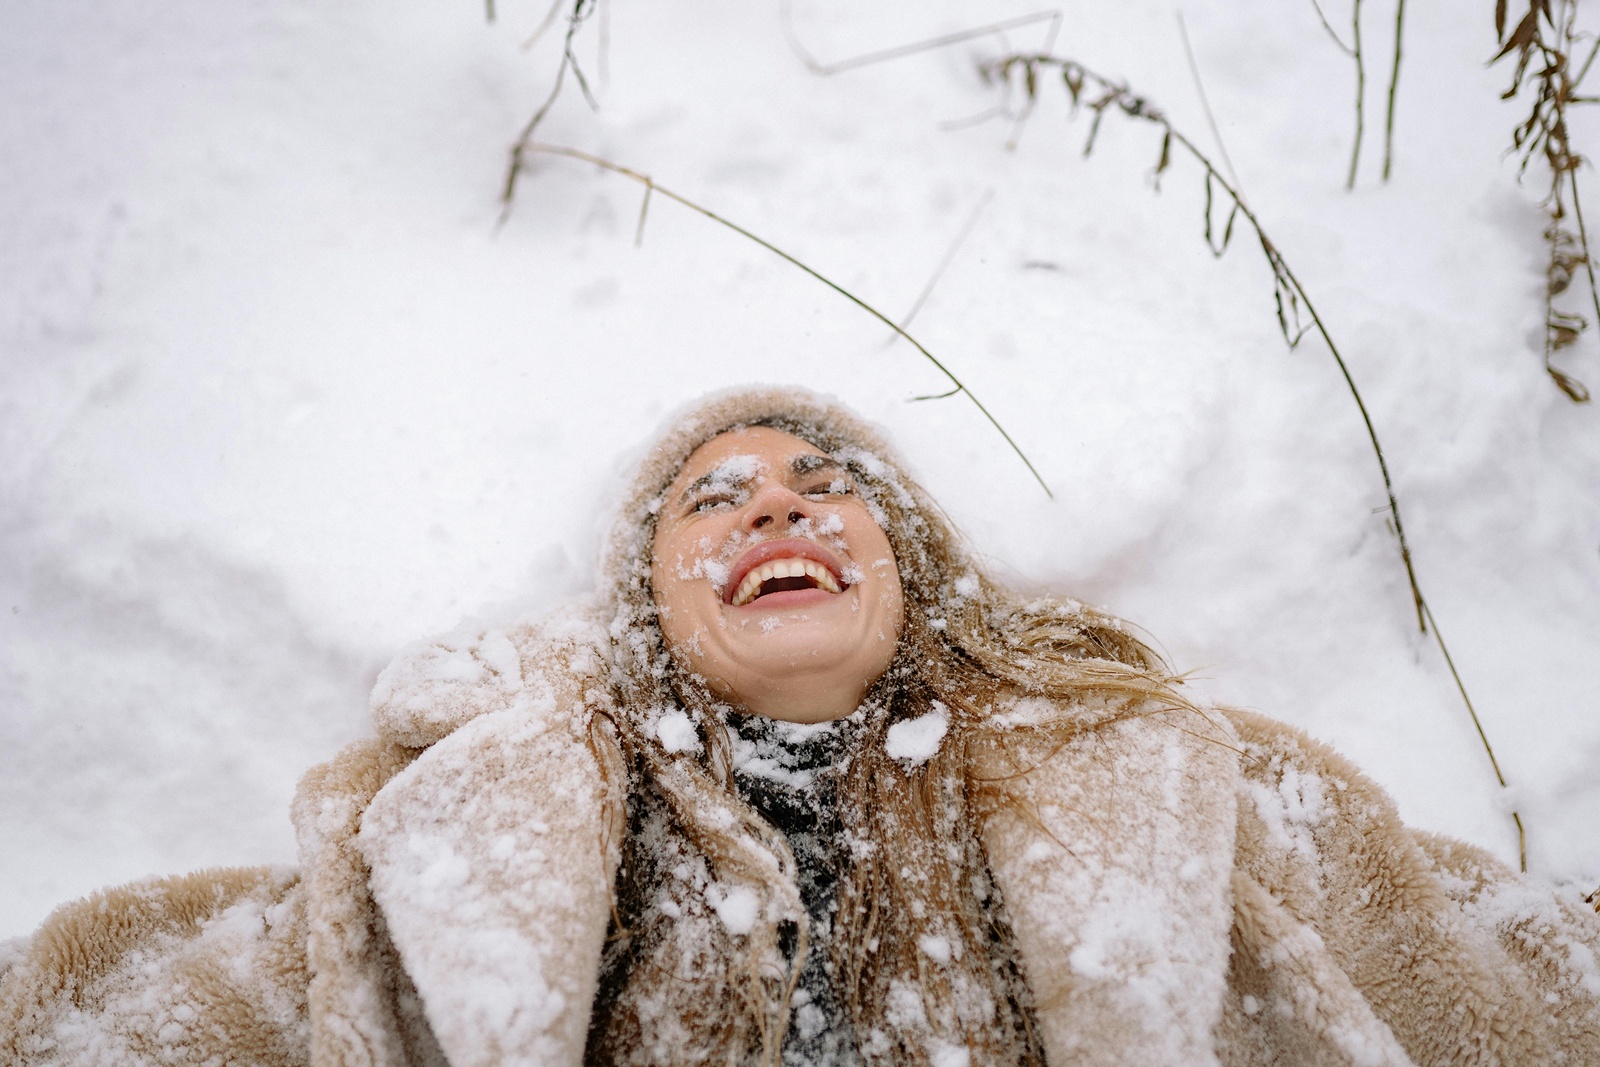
(784, 576)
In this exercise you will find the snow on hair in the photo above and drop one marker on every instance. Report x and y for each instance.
(680, 984)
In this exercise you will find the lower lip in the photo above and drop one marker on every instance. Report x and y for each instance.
(790, 598)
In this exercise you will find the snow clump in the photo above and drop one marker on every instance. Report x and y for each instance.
(916, 741)
(676, 732)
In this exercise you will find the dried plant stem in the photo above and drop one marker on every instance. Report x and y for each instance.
(1361, 94)
(1522, 838)
(1394, 88)
(1322, 16)
(652, 187)
(1542, 42)
(1205, 103)
(816, 66)
(1101, 94)
(581, 10)
(944, 265)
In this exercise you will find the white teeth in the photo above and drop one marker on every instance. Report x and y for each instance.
(783, 568)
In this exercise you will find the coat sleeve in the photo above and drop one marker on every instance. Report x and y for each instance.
(1464, 961)
(199, 969)
(492, 858)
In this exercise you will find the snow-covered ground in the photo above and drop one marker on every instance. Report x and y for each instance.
(277, 394)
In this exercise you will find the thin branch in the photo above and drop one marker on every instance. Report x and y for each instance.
(944, 264)
(651, 186)
(866, 59)
(1583, 72)
(1361, 94)
(1205, 102)
(1346, 49)
(1522, 838)
(1394, 87)
(581, 10)
(1288, 294)
(544, 24)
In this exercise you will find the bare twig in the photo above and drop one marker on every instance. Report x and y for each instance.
(867, 59)
(652, 187)
(1205, 104)
(581, 10)
(1019, 121)
(1101, 94)
(944, 265)
(1361, 95)
(1346, 49)
(1394, 88)
(1522, 838)
(1594, 898)
(544, 24)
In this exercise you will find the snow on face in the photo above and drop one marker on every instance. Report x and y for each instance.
(802, 653)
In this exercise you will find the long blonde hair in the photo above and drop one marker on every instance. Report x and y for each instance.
(679, 986)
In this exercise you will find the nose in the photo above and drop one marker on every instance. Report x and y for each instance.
(772, 502)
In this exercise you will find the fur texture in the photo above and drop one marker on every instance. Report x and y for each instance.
(1244, 898)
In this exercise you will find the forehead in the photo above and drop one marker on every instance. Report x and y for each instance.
(771, 449)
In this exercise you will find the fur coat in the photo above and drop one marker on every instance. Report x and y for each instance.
(1244, 898)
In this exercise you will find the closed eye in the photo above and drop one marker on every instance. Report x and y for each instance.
(837, 487)
(713, 502)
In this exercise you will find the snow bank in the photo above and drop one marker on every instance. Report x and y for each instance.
(281, 394)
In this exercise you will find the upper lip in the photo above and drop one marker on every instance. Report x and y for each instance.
(780, 548)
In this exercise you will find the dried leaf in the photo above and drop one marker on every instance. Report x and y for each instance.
(1521, 37)
(1166, 157)
(1578, 393)
(1074, 82)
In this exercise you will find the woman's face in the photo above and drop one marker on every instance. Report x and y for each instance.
(773, 580)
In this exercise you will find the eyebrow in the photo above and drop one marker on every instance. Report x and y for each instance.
(801, 466)
(705, 480)
(810, 463)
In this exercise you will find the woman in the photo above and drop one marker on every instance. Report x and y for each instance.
(803, 785)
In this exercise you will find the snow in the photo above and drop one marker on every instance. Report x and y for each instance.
(282, 394)
(737, 906)
(676, 732)
(916, 741)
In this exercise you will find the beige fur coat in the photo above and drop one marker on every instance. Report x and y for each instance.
(1243, 898)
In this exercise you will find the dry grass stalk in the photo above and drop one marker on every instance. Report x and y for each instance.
(1357, 53)
(581, 10)
(1297, 316)
(1542, 42)
(650, 186)
(1394, 88)
(1361, 93)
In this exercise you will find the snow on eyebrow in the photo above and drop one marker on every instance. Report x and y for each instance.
(810, 463)
(732, 473)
